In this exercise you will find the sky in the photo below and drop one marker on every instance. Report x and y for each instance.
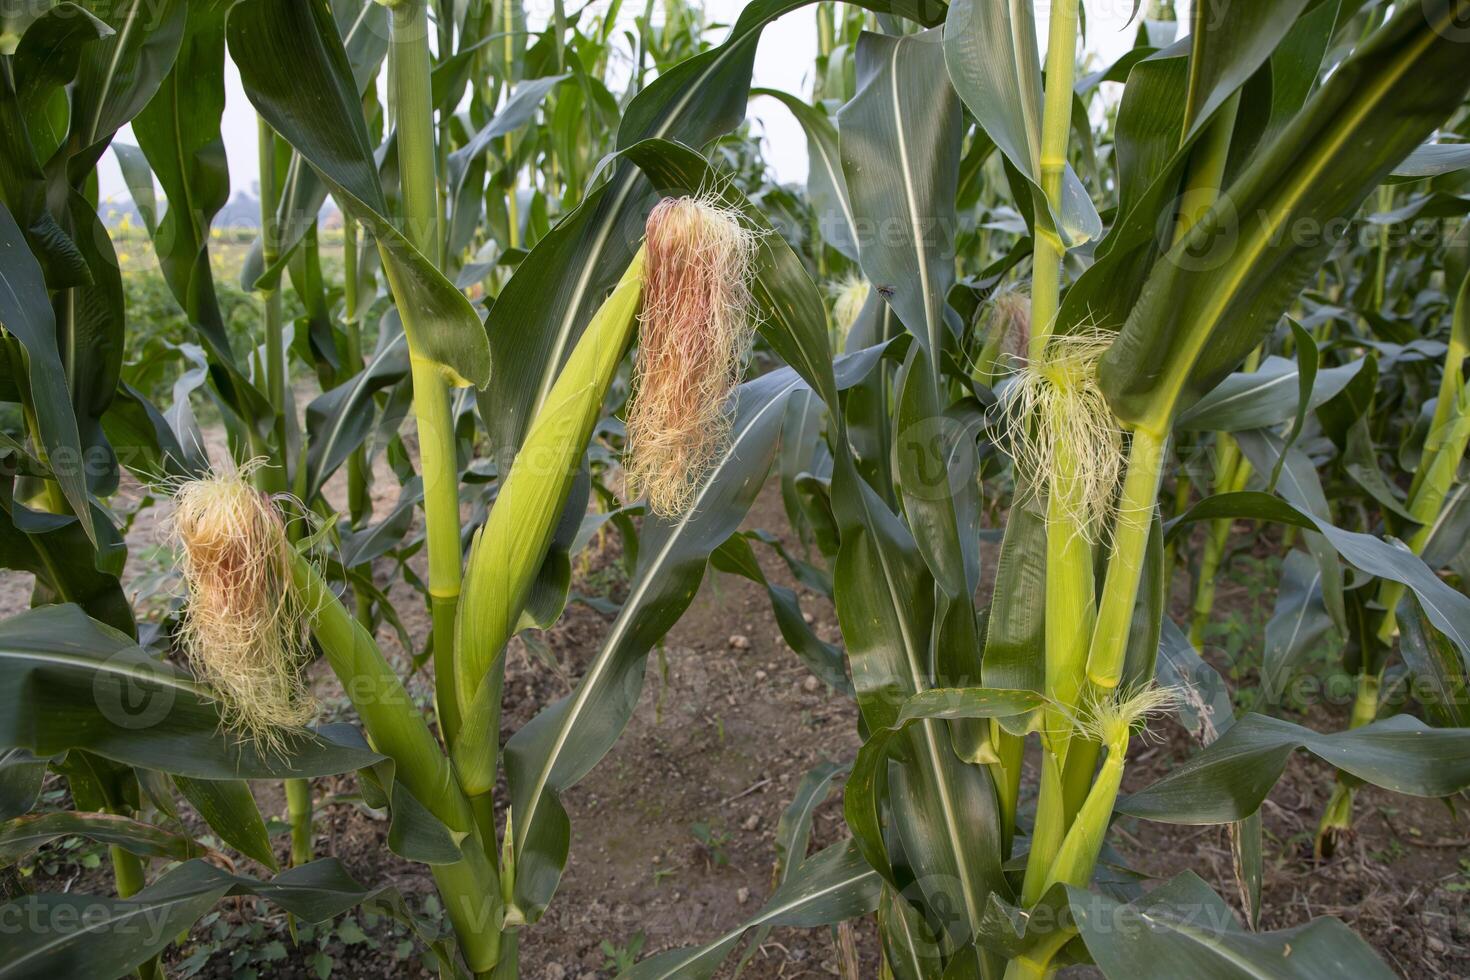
(784, 60)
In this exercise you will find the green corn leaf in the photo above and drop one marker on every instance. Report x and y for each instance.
(25, 313)
(67, 682)
(829, 887)
(1182, 928)
(139, 178)
(556, 289)
(1015, 636)
(793, 836)
(1297, 62)
(909, 945)
(1433, 160)
(65, 561)
(1265, 397)
(884, 600)
(944, 808)
(826, 184)
(1211, 297)
(376, 540)
(1307, 361)
(1440, 673)
(869, 773)
(120, 75)
(1297, 623)
(21, 776)
(1155, 139)
(1225, 51)
(467, 165)
(1446, 608)
(1230, 778)
(866, 410)
(900, 149)
(179, 134)
(229, 808)
(23, 835)
(935, 465)
(1449, 535)
(316, 107)
(95, 344)
(990, 48)
(363, 26)
(1298, 482)
(142, 435)
(562, 743)
(50, 52)
(96, 936)
(340, 419)
(1149, 162)
(416, 834)
(519, 110)
(47, 59)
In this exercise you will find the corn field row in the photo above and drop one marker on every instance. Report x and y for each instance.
(1081, 322)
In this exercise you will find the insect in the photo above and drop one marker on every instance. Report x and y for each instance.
(886, 292)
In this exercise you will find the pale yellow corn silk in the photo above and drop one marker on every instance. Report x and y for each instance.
(694, 333)
(1008, 317)
(1061, 433)
(849, 294)
(243, 628)
(1110, 718)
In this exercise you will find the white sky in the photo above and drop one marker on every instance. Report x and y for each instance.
(783, 61)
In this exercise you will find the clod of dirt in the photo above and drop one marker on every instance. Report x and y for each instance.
(739, 641)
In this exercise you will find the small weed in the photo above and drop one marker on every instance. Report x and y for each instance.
(65, 858)
(714, 840)
(259, 946)
(622, 958)
(1462, 880)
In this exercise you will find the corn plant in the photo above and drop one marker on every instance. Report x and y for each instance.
(1028, 328)
(74, 74)
(1132, 326)
(1372, 347)
(244, 632)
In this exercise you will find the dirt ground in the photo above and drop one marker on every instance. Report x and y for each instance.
(673, 833)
